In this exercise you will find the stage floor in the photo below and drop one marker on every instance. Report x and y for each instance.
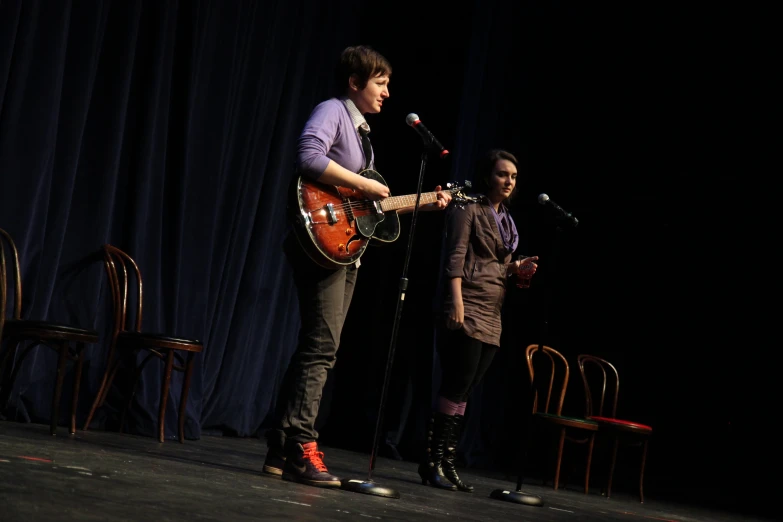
(107, 476)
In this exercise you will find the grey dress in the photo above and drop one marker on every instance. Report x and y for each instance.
(475, 252)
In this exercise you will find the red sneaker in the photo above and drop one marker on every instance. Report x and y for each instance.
(304, 463)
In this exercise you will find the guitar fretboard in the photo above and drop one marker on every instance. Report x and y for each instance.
(396, 202)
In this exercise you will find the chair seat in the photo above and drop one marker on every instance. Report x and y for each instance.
(622, 424)
(44, 329)
(575, 422)
(162, 340)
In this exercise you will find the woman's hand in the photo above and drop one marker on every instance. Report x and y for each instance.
(525, 266)
(456, 314)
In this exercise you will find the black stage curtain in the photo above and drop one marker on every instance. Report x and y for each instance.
(166, 129)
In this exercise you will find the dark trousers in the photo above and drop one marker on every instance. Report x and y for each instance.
(463, 363)
(324, 298)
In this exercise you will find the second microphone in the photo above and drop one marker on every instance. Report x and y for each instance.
(429, 139)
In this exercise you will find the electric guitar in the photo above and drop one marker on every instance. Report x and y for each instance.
(334, 224)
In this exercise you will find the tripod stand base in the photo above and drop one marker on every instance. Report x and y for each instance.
(517, 497)
(368, 488)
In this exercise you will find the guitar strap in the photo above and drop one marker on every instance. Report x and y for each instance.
(366, 145)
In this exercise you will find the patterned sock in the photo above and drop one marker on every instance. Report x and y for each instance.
(450, 407)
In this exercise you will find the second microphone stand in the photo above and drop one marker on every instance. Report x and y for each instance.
(368, 486)
(518, 496)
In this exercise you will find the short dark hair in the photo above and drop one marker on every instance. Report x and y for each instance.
(363, 61)
(487, 163)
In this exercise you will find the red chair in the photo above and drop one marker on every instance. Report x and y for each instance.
(548, 413)
(67, 340)
(128, 336)
(597, 408)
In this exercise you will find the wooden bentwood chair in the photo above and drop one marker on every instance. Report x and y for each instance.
(67, 340)
(129, 336)
(619, 430)
(548, 413)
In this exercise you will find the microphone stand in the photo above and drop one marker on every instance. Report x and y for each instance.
(543, 333)
(518, 496)
(369, 487)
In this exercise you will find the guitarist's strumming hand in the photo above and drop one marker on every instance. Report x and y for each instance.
(374, 190)
(335, 174)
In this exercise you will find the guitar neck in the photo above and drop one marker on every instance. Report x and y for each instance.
(397, 202)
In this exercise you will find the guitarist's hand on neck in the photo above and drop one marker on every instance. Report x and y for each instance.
(444, 198)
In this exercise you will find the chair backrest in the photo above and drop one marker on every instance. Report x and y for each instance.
(116, 262)
(555, 359)
(4, 278)
(598, 398)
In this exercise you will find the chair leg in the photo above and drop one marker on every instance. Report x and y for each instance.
(641, 473)
(164, 395)
(183, 401)
(62, 361)
(77, 384)
(108, 377)
(611, 468)
(589, 462)
(559, 457)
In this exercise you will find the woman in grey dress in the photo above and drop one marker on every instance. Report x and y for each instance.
(480, 241)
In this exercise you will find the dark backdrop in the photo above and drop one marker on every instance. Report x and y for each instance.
(168, 129)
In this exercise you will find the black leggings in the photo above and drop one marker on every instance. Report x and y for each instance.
(463, 362)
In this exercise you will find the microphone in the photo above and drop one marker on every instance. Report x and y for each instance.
(413, 120)
(544, 200)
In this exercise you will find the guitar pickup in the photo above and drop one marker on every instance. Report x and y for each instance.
(331, 216)
(377, 206)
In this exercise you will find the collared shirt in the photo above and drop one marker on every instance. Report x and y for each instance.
(359, 122)
(356, 116)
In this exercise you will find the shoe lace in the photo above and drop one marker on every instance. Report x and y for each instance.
(315, 457)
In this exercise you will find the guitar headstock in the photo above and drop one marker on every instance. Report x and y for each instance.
(458, 196)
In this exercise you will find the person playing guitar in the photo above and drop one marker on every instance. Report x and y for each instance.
(333, 147)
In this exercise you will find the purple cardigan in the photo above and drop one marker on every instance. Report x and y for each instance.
(329, 134)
